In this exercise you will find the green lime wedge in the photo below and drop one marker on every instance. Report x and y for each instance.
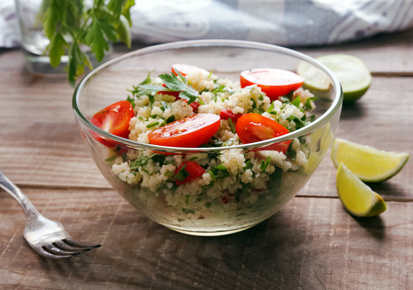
(357, 197)
(368, 163)
(352, 73)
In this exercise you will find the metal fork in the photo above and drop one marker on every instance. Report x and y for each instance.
(44, 236)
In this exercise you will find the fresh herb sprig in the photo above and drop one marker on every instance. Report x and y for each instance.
(70, 27)
(172, 83)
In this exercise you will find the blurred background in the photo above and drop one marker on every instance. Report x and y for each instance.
(284, 22)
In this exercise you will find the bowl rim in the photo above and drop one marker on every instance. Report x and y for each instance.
(320, 121)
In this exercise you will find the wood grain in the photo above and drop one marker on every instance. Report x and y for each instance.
(311, 244)
(386, 54)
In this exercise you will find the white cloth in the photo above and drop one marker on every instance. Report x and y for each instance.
(283, 22)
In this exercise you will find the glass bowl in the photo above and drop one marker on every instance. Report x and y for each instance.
(232, 201)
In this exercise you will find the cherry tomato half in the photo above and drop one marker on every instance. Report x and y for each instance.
(188, 171)
(114, 119)
(185, 69)
(191, 131)
(253, 127)
(228, 114)
(273, 82)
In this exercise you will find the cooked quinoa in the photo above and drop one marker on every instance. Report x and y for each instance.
(233, 178)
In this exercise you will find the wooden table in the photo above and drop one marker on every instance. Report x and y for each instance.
(311, 244)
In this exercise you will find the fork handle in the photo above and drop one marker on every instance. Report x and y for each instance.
(22, 199)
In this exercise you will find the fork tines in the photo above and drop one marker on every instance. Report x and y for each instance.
(66, 248)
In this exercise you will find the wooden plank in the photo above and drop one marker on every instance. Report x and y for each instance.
(311, 244)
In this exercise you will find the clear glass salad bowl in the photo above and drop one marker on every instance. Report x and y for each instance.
(228, 203)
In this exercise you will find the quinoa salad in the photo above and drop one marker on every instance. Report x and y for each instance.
(164, 109)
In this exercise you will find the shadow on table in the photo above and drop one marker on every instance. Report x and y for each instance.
(373, 225)
(355, 110)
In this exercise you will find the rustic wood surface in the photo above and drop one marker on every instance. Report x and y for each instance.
(311, 244)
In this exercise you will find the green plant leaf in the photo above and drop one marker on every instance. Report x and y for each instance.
(57, 49)
(123, 32)
(51, 18)
(96, 40)
(128, 4)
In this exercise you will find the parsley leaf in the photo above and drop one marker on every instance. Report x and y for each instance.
(132, 101)
(178, 84)
(57, 49)
(265, 163)
(296, 102)
(182, 174)
(298, 122)
(69, 25)
(231, 125)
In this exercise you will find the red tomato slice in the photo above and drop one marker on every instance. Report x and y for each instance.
(191, 171)
(114, 119)
(185, 69)
(228, 114)
(253, 127)
(273, 82)
(192, 131)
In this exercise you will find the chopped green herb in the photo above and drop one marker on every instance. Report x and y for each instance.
(307, 104)
(290, 151)
(248, 164)
(298, 122)
(153, 124)
(147, 80)
(231, 125)
(265, 163)
(182, 174)
(154, 116)
(254, 104)
(219, 171)
(151, 99)
(261, 98)
(187, 197)
(139, 162)
(159, 158)
(215, 142)
(208, 204)
(296, 102)
(163, 106)
(131, 100)
(218, 89)
(213, 155)
(170, 119)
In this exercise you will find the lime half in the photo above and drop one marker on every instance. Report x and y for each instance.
(357, 197)
(368, 163)
(352, 73)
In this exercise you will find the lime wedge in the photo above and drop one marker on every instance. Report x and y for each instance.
(357, 197)
(368, 163)
(352, 73)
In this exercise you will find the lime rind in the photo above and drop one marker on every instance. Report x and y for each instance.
(358, 198)
(368, 163)
(314, 78)
(354, 76)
